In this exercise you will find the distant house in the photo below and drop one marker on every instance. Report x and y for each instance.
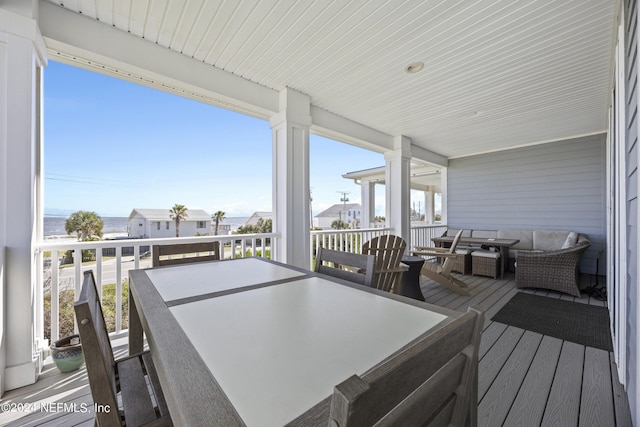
(157, 223)
(257, 216)
(351, 213)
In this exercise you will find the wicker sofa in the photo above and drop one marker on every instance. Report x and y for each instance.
(551, 262)
(545, 259)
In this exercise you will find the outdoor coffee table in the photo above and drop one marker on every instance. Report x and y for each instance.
(503, 246)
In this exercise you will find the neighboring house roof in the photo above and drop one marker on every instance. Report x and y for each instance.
(253, 219)
(165, 215)
(335, 210)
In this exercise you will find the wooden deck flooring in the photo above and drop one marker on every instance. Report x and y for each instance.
(525, 379)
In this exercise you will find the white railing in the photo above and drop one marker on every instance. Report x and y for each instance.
(344, 240)
(111, 261)
(421, 235)
(352, 240)
(114, 258)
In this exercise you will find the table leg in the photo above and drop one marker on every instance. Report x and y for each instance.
(504, 254)
(136, 342)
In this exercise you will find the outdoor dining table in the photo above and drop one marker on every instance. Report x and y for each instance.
(256, 342)
(503, 246)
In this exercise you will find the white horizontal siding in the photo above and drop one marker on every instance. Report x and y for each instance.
(558, 186)
(631, 172)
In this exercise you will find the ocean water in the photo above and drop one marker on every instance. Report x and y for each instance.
(54, 225)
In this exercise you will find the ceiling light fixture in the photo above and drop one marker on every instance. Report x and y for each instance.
(414, 67)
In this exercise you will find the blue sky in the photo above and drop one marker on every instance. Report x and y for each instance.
(111, 146)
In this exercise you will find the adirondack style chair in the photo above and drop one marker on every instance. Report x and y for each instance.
(441, 273)
(388, 250)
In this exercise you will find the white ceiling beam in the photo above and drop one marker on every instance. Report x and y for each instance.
(340, 128)
(428, 156)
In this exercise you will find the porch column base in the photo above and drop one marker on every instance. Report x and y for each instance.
(23, 375)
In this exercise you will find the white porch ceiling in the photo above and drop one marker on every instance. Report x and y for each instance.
(498, 74)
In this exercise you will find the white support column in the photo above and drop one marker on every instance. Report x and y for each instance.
(398, 188)
(429, 206)
(443, 200)
(22, 55)
(291, 196)
(368, 195)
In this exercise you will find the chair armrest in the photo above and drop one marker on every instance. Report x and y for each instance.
(399, 269)
(560, 255)
(431, 249)
(431, 253)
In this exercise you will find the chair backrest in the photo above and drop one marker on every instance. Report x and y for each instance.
(433, 381)
(388, 250)
(361, 263)
(98, 354)
(192, 252)
(448, 263)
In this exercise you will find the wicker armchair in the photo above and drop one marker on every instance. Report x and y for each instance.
(555, 270)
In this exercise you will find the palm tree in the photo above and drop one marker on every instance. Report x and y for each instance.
(218, 217)
(178, 213)
(87, 224)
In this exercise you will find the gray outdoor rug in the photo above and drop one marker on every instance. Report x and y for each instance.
(570, 321)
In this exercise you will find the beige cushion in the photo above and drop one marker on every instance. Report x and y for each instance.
(570, 241)
(486, 254)
(525, 237)
(549, 240)
(464, 251)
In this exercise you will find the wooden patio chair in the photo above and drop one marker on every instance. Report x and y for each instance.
(433, 381)
(441, 273)
(133, 377)
(191, 252)
(388, 250)
(361, 267)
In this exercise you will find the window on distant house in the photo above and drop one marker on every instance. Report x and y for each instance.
(202, 224)
(158, 225)
(167, 225)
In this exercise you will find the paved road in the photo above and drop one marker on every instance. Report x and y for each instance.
(67, 274)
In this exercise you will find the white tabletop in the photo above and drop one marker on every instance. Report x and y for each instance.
(278, 350)
(188, 280)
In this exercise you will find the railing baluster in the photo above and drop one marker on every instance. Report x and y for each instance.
(118, 289)
(99, 271)
(136, 257)
(55, 296)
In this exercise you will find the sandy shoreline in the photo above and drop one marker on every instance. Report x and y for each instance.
(106, 236)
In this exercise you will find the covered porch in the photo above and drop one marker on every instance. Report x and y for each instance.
(527, 109)
(524, 378)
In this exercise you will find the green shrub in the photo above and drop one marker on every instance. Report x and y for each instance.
(87, 255)
(66, 312)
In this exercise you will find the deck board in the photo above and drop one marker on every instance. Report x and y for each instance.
(528, 407)
(596, 408)
(494, 406)
(524, 378)
(563, 404)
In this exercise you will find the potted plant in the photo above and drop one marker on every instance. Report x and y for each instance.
(67, 353)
